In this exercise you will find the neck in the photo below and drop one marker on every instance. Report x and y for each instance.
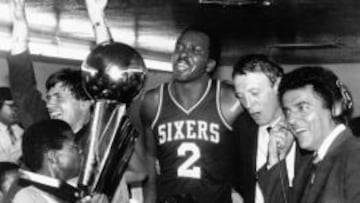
(81, 123)
(190, 92)
(278, 115)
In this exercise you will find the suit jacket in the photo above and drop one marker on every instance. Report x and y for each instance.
(337, 177)
(274, 182)
(246, 130)
(246, 176)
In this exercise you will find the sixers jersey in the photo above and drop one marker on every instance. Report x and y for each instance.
(194, 147)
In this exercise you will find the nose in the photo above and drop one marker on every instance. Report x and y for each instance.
(50, 103)
(291, 118)
(183, 53)
(247, 102)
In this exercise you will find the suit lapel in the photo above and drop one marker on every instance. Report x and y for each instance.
(325, 166)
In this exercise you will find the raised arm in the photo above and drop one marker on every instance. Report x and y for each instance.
(31, 107)
(96, 12)
(20, 30)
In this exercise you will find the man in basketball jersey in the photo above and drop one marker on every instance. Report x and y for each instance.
(187, 125)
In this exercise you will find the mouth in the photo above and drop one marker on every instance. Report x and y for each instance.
(182, 66)
(299, 131)
(55, 115)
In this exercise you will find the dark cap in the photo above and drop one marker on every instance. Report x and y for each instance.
(5, 94)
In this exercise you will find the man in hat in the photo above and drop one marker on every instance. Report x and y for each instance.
(10, 131)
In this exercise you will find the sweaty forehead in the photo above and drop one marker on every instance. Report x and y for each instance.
(193, 37)
(252, 79)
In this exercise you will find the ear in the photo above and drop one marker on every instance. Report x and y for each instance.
(51, 157)
(210, 65)
(85, 104)
(337, 109)
(277, 84)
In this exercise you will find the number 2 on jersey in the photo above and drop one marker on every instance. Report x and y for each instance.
(188, 169)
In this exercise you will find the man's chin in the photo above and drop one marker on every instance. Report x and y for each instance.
(259, 121)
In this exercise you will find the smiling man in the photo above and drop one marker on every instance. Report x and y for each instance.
(188, 128)
(66, 99)
(317, 106)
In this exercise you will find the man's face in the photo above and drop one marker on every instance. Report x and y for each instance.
(63, 105)
(309, 120)
(191, 56)
(8, 114)
(258, 96)
(69, 160)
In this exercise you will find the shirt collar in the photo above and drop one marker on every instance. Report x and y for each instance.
(271, 124)
(324, 147)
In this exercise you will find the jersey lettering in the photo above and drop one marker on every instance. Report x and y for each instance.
(187, 168)
(188, 130)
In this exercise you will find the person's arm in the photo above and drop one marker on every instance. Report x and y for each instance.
(230, 105)
(136, 172)
(231, 109)
(31, 107)
(147, 113)
(20, 30)
(96, 12)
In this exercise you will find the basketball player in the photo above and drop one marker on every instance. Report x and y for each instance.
(187, 125)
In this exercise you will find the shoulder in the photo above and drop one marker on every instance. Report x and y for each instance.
(27, 195)
(346, 151)
(230, 105)
(149, 104)
(351, 145)
(227, 93)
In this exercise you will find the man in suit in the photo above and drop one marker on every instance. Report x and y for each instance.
(256, 81)
(10, 130)
(317, 106)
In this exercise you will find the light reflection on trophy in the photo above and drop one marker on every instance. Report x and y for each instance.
(113, 75)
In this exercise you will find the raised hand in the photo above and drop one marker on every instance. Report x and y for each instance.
(96, 12)
(281, 140)
(17, 9)
(20, 31)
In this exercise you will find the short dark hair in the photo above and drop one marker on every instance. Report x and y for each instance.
(214, 45)
(258, 63)
(41, 137)
(325, 84)
(69, 78)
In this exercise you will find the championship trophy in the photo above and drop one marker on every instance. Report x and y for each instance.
(112, 75)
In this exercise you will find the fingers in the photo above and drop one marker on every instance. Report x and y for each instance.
(17, 8)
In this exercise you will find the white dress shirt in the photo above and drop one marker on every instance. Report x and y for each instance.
(324, 147)
(262, 155)
(10, 146)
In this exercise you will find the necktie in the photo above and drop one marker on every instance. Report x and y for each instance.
(268, 129)
(315, 164)
(311, 177)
